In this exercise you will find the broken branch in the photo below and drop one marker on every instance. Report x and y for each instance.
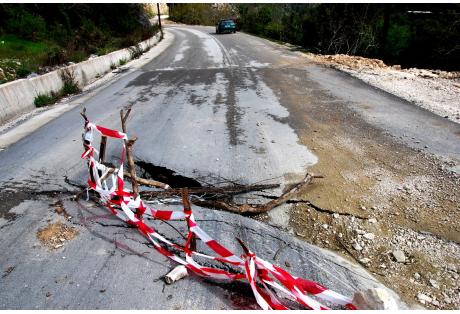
(227, 190)
(258, 209)
(290, 193)
(102, 149)
(148, 182)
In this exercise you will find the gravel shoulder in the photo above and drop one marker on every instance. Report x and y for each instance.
(435, 90)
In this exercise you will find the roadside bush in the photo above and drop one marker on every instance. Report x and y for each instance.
(25, 24)
(22, 72)
(45, 100)
(70, 87)
(77, 56)
(56, 56)
(398, 39)
(122, 62)
(135, 51)
(70, 82)
(411, 35)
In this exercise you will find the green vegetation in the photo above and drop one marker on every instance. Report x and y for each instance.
(33, 36)
(20, 57)
(420, 35)
(122, 62)
(200, 13)
(45, 100)
(70, 86)
(412, 35)
(70, 83)
(135, 51)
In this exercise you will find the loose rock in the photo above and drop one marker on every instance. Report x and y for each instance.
(374, 299)
(399, 256)
(434, 283)
(369, 236)
(365, 260)
(357, 247)
(423, 298)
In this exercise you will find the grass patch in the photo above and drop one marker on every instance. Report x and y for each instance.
(70, 86)
(21, 57)
(45, 100)
(78, 56)
(20, 48)
(122, 62)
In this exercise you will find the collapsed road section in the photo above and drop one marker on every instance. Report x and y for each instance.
(105, 256)
(269, 283)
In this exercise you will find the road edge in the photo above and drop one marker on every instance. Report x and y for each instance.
(28, 123)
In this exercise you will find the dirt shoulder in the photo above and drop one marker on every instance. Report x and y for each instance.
(387, 198)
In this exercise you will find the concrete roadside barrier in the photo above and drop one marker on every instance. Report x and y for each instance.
(18, 97)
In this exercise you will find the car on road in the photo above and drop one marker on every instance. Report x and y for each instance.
(226, 26)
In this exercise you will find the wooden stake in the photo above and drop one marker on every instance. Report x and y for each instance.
(129, 153)
(83, 114)
(243, 246)
(187, 207)
(102, 149)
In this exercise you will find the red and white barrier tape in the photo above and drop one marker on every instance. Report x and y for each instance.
(259, 273)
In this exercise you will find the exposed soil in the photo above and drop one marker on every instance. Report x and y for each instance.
(55, 235)
(411, 202)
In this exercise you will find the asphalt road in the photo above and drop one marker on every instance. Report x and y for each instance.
(210, 107)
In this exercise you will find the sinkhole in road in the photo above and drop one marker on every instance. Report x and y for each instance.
(148, 170)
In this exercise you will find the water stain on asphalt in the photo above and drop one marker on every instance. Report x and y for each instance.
(233, 105)
(10, 199)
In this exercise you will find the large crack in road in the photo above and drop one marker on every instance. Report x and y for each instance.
(230, 109)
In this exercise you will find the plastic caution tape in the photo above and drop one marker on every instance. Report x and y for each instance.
(263, 277)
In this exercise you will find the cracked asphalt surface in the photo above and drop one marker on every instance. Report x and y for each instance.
(210, 107)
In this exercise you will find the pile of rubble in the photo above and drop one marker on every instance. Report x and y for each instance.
(361, 63)
(352, 62)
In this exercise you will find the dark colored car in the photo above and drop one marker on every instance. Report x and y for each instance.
(225, 26)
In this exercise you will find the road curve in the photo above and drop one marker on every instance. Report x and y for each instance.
(211, 107)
